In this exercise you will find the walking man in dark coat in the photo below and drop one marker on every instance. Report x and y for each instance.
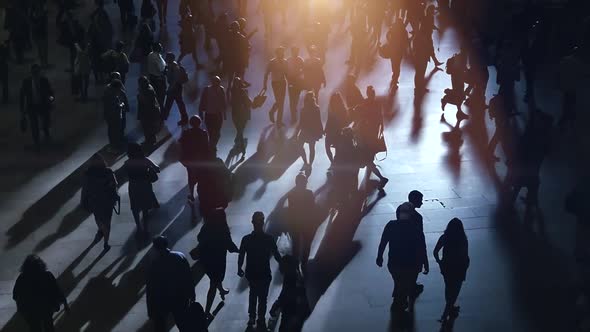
(36, 98)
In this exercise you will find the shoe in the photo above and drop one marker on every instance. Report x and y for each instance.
(251, 321)
(383, 183)
(106, 247)
(223, 292)
(209, 317)
(271, 117)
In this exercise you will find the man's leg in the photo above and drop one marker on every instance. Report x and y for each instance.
(252, 299)
(294, 93)
(181, 108)
(160, 323)
(262, 298)
(34, 124)
(167, 106)
(395, 69)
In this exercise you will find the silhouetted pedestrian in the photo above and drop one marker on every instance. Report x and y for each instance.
(338, 118)
(194, 152)
(213, 107)
(257, 247)
(148, 110)
(310, 129)
(82, 69)
(37, 295)
(415, 198)
(292, 303)
(156, 70)
(36, 101)
(277, 68)
(351, 92)
(301, 208)
(40, 31)
(142, 173)
(188, 39)
(295, 79)
(177, 77)
(405, 258)
(214, 243)
(241, 106)
(116, 60)
(395, 49)
(453, 265)
(170, 288)
(313, 72)
(143, 43)
(457, 68)
(99, 196)
(115, 108)
(215, 187)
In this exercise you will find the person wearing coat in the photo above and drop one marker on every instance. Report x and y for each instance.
(241, 109)
(36, 98)
(99, 196)
(115, 106)
(37, 295)
(148, 110)
(142, 173)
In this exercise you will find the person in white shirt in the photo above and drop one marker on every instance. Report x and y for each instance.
(156, 67)
(277, 69)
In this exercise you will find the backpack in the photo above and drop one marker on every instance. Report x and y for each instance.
(182, 74)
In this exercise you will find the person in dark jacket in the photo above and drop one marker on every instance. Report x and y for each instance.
(405, 241)
(241, 105)
(194, 147)
(453, 265)
(39, 31)
(212, 108)
(36, 98)
(170, 288)
(37, 295)
(142, 173)
(214, 243)
(99, 196)
(215, 186)
(148, 110)
(115, 107)
(257, 247)
(301, 208)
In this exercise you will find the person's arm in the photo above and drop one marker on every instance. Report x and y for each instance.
(437, 248)
(384, 242)
(241, 257)
(424, 253)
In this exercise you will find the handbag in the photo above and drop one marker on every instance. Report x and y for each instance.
(259, 99)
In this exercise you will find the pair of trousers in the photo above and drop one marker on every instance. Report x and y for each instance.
(115, 130)
(172, 97)
(213, 122)
(294, 94)
(39, 119)
(404, 284)
(161, 319)
(279, 89)
(159, 84)
(258, 297)
(396, 64)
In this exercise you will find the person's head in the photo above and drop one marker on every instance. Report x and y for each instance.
(404, 211)
(160, 243)
(134, 151)
(455, 230)
(242, 22)
(216, 81)
(309, 99)
(33, 264)
(280, 52)
(370, 92)
(119, 46)
(415, 197)
(96, 161)
(157, 47)
(258, 221)
(116, 84)
(234, 26)
(169, 57)
(143, 82)
(301, 180)
(195, 121)
(35, 71)
(294, 51)
(115, 75)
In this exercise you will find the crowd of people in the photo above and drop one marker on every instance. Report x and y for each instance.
(353, 134)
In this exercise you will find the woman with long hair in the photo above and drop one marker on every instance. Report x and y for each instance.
(337, 119)
(453, 265)
(310, 128)
(37, 295)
